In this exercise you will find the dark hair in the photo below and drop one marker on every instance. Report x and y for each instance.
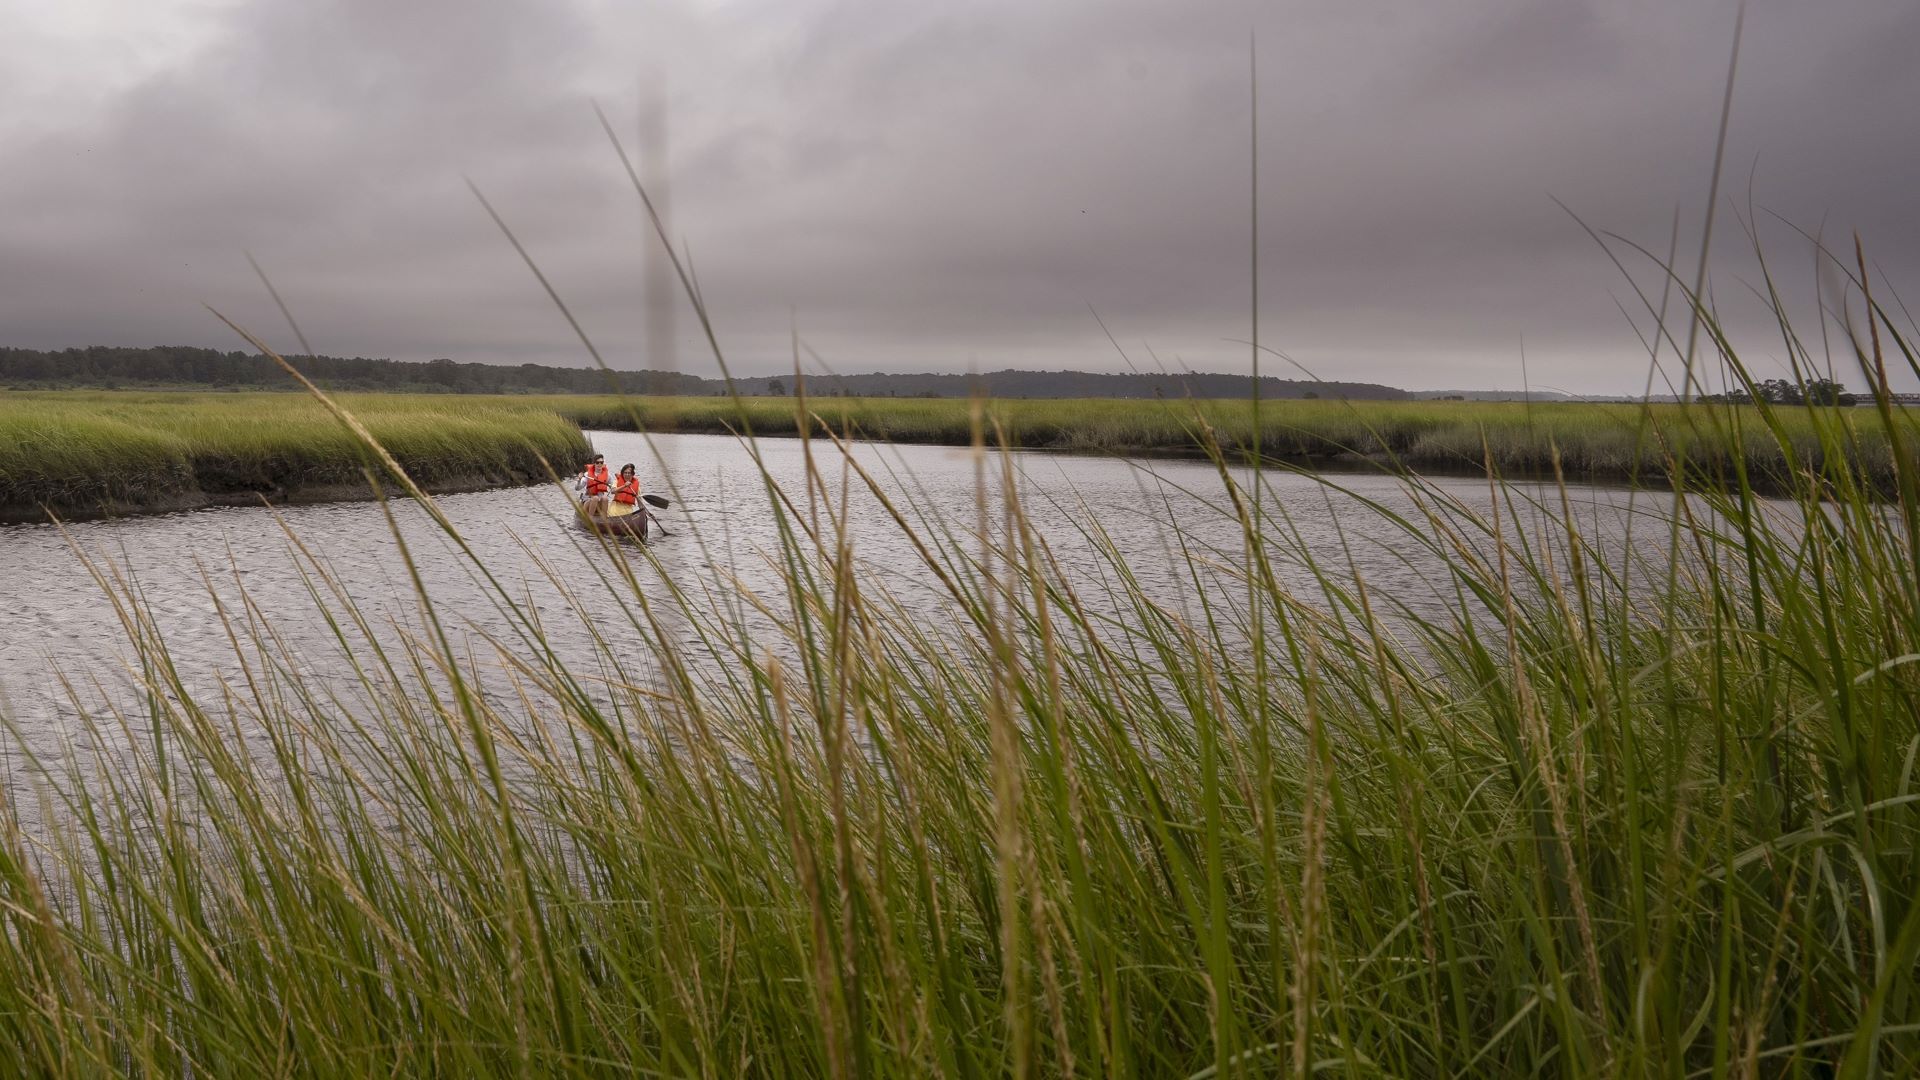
(624, 468)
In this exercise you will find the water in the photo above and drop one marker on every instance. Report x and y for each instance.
(56, 623)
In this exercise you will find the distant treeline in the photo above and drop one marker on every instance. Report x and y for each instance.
(103, 367)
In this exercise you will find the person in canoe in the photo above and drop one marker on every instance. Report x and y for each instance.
(626, 492)
(594, 485)
(621, 509)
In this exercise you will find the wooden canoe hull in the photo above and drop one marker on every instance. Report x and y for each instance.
(634, 524)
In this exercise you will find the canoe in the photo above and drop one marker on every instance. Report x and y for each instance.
(620, 521)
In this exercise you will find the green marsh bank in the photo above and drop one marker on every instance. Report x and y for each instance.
(93, 453)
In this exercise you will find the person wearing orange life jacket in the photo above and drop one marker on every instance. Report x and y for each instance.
(626, 489)
(594, 484)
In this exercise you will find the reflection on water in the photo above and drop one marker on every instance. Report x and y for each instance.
(55, 622)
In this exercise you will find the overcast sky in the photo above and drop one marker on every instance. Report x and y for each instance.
(938, 186)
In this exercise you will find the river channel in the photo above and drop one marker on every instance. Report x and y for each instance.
(65, 657)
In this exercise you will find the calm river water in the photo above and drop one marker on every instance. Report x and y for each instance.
(56, 623)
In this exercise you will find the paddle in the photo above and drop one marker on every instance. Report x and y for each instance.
(655, 500)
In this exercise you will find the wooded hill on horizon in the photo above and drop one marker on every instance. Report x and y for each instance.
(179, 367)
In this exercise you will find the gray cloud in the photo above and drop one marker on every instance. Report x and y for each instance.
(933, 186)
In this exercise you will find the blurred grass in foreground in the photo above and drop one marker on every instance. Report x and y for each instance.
(1604, 818)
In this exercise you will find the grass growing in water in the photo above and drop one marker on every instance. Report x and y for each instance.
(1579, 826)
(84, 452)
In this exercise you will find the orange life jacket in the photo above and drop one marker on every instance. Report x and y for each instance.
(626, 490)
(597, 482)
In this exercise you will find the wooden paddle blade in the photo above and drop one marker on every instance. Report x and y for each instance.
(655, 500)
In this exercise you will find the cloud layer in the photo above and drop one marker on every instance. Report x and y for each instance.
(929, 187)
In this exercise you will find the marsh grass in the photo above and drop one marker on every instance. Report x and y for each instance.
(1588, 441)
(82, 453)
(1040, 824)
(87, 453)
